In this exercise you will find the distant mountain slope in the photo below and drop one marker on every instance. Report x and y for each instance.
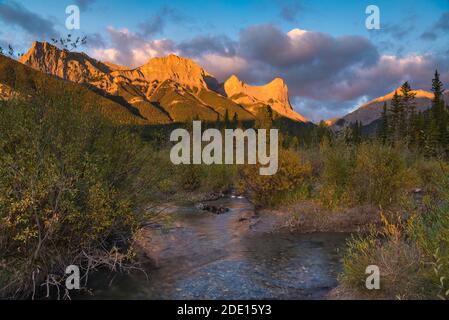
(25, 82)
(371, 111)
(164, 90)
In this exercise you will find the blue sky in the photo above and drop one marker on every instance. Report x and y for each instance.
(336, 65)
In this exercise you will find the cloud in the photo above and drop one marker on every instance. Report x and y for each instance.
(16, 14)
(157, 23)
(443, 22)
(217, 44)
(95, 40)
(400, 31)
(289, 11)
(84, 5)
(133, 49)
(130, 49)
(440, 26)
(429, 36)
(222, 66)
(268, 44)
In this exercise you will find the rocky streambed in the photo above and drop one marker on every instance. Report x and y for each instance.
(196, 253)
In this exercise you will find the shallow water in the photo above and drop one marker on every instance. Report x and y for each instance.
(207, 256)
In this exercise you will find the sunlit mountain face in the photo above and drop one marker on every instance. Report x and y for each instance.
(164, 90)
(324, 52)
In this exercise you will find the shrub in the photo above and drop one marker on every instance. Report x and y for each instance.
(432, 174)
(413, 256)
(381, 176)
(370, 173)
(430, 231)
(338, 162)
(71, 187)
(398, 261)
(290, 183)
(219, 178)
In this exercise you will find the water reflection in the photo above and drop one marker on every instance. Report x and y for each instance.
(207, 256)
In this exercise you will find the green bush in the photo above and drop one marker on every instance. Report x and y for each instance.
(381, 176)
(432, 175)
(338, 163)
(370, 173)
(71, 192)
(292, 181)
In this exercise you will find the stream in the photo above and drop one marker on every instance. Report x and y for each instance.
(235, 255)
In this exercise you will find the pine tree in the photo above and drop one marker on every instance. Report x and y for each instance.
(383, 131)
(409, 112)
(227, 122)
(235, 121)
(437, 88)
(218, 122)
(439, 132)
(419, 127)
(396, 117)
(353, 134)
(264, 118)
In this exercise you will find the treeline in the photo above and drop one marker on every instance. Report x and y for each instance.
(427, 131)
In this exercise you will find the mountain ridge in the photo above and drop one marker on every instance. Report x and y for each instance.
(165, 89)
(372, 110)
(20, 81)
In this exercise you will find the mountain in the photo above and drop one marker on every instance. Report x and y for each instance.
(21, 81)
(164, 90)
(371, 111)
(180, 70)
(72, 66)
(274, 94)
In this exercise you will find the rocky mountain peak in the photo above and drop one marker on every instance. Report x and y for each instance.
(187, 82)
(181, 70)
(72, 66)
(274, 94)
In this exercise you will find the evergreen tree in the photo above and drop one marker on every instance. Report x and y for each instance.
(264, 118)
(295, 143)
(438, 131)
(218, 122)
(419, 134)
(396, 117)
(353, 134)
(383, 131)
(227, 121)
(409, 112)
(235, 120)
(437, 88)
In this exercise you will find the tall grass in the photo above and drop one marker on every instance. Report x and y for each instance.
(412, 255)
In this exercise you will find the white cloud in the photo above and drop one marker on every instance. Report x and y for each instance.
(221, 66)
(130, 49)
